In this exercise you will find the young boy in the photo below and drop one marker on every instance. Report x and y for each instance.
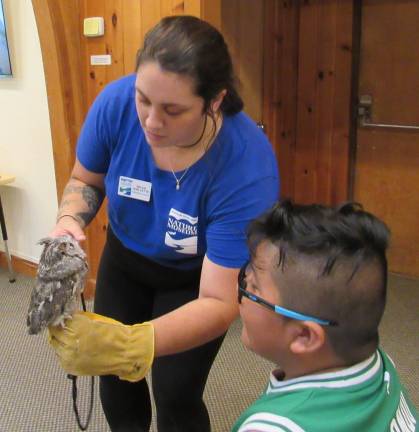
(311, 299)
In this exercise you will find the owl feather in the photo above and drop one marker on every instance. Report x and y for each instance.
(59, 283)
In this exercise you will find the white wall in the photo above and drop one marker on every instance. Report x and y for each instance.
(30, 204)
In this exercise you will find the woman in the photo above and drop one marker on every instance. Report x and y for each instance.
(184, 171)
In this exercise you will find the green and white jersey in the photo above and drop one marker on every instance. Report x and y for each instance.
(366, 397)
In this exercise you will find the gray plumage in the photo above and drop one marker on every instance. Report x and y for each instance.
(59, 283)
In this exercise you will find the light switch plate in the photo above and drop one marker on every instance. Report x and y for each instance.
(94, 27)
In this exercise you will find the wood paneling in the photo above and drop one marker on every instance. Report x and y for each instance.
(323, 98)
(280, 76)
(307, 89)
(126, 23)
(242, 27)
(112, 43)
(387, 161)
(210, 10)
(154, 10)
(132, 39)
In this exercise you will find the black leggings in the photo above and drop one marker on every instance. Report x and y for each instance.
(133, 289)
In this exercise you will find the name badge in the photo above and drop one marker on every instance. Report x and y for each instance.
(135, 189)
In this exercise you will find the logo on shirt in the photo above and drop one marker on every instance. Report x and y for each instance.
(182, 232)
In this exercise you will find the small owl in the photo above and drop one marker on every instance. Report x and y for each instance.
(59, 283)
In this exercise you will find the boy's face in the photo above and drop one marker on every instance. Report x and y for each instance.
(263, 330)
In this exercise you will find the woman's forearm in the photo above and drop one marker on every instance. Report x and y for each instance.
(191, 325)
(81, 201)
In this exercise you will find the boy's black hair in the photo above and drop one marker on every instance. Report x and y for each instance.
(340, 254)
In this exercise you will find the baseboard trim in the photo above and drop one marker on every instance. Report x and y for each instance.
(29, 268)
(20, 265)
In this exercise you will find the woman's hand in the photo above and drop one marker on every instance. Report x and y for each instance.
(68, 225)
(92, 344)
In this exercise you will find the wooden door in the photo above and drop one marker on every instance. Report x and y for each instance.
(386, 178)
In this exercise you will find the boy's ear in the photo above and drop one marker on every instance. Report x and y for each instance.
(308, 337)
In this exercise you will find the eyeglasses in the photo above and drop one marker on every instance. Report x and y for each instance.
(242, 291)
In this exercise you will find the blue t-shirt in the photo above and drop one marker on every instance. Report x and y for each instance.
(235, 181)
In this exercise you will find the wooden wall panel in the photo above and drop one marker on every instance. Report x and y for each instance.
(242, 27)
(132, 39)
(341, 124)
(154, 10)
(307, 88)
(323, 122)
(280, 74)
(150, 14)
(179, 7)
(324, 72)
(172, 7)
(112, 43)
(210, 10)
(126, 23)
(115, 37)
(307, 111)
(193, 7)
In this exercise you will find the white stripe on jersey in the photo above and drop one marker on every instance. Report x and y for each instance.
(258, 422)
(352, 370)
(340, 382)
(261, 427)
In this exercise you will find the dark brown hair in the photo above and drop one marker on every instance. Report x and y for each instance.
(187, 45)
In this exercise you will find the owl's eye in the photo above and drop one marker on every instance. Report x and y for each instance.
(71, 245)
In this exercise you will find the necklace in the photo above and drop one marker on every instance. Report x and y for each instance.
(178, 180)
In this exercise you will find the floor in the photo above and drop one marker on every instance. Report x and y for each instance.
(36, 395)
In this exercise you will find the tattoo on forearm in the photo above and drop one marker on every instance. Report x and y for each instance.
(85, 218)
(90, 195)
(66, 202)
(93, 197)
(71, 188)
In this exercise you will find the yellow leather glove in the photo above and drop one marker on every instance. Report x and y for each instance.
(92, 344)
